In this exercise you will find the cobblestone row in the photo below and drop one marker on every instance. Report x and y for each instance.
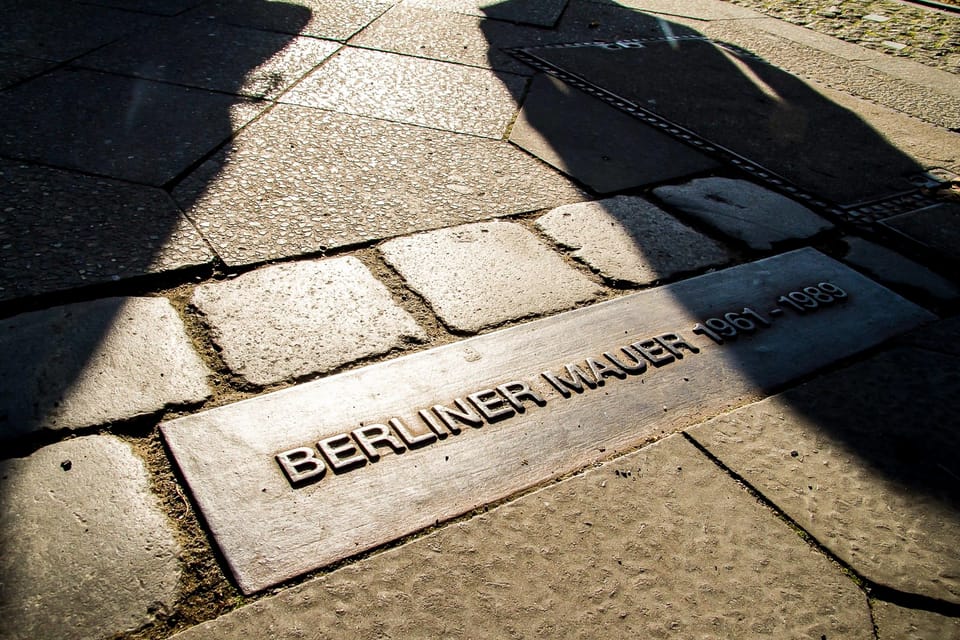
(925, 35)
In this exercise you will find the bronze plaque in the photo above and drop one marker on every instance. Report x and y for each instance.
(294, 480)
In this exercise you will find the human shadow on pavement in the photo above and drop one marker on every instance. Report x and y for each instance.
(105, 111)
(737, 103)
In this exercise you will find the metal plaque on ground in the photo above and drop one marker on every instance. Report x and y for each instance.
(294, 480)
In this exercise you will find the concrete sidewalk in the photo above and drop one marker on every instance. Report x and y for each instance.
(668, 289)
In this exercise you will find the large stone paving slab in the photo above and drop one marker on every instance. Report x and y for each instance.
(603, 148)
(543, 13)
(899, 623)
(59, 30)
(115, 126)
(86, 551)
(291, 320)
(739, 209)
(504, 411)
(334, 19)
(485, 274)
(208, 55)
(13, 69)
(630, 240)
(890, 267)
(412, 90)
(60, 230)
(655, 544)
(936, 227)
(863, 460)
(300, 180)
(454, 37)
(95, 362)
(790, 127)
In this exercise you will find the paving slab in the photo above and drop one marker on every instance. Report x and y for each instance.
(653, 544)
(596, 144)
(936, 227)
(13, 68)
(206, 54)
(291, 320)
(300, 180)
(704, 10)
(93, 363)
(333, 19)
(60, 230)
(543, 13)
(467, 39)
(743, 104)
(944, 336)
(160, 7)
(630, 240)
(58, 30)
(891, 268)
(739, 209)
(87, 553)
(899, 623)
(862, 460)
(484, 274)
(114, 126)
(399, 88)
(508, 410)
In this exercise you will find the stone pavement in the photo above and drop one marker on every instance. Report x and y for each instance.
(444, 318)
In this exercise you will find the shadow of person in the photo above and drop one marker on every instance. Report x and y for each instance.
(124, 106)
(667, 80)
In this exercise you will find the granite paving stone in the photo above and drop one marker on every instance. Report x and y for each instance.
(655, 544)
(160, 7)
(889, 266)
(628, 239)
(93, 363)
(60, 229)
(739, 209)
(333, 19)
(59, 30)
(596, 144)
(862, 459)
(300, 180)
(206, 54)
(291, 320)
(543, 13)
(480, 275)
(412, 90)
(87, 553)
(114, 126)
(899, 623)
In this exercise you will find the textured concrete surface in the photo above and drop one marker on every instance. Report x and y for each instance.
(86, 550)
(600, 146)
(484, 274)
(739, 209)
(899, 623)
(412, 90)
(656, 544)
(854, 460)
(543, 13)
(60, 229)
(170, 128)
(334, 19)
(208, 55)
(300, 180)
(95, 362)
(291, 320)
(630, 240)
(894, 269)
(13, 68)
